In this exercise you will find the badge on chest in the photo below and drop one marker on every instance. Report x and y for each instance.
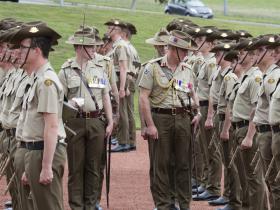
(182, 85)
(95, 82)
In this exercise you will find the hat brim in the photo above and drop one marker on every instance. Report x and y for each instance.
(152, 41)
(84, 41)
(32, 32)
(166, 39)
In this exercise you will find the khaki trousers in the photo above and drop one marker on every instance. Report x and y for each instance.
(256, 189)
(46, 197)
(130, 113)
(172, 146)
(84, 152)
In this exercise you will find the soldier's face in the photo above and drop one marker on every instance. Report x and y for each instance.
(199, 40)
(277, 53)
(3, 49)
(112, 30)
(161, 50)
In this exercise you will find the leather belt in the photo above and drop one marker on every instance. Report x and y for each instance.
(1, 128)
(94, 114)
(37, 145)
(173, 111)
(203, 103)
(222, 117)
(263, 128)
(240, 124)
(10, 132)
(275, 128)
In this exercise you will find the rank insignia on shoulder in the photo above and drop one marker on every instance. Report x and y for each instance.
(271, 81)
(146, 71)
(258, 79)
(227, 78)
(48, 82)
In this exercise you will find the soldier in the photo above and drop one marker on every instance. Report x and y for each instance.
(128, 31)
(86, 86)
(218, 76)
(164, 89)
(40, 127)
(242, 112)
(122, 62)
(274, 121)
(271, 74)
(227, 137)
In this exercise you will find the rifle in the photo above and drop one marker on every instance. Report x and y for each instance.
(255, 158)
(236, 151)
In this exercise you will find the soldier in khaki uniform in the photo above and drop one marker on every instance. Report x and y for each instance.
(242, 112)
(271, 74)
(122, 62)
(164, 89)
(128, 31)
(206, 68)
(218, 76)
(86, 86)
(227, 137)
(41, 128)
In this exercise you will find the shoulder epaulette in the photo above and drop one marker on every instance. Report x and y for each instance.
(67, 63)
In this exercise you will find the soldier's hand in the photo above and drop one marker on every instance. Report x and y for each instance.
(121, 93)
(46, 176)
(109, 129)
(144, 133)
(208, 123)
(246, 143)
(24, 179)
(152, 132)
(224, 135)
(195, 122)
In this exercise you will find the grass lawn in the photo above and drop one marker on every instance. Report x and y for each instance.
(66, 20)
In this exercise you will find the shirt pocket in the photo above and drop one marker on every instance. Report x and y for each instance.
(73, 84)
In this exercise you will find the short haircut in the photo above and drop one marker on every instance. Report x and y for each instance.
(43, 43)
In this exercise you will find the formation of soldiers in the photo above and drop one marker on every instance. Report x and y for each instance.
(209, 98)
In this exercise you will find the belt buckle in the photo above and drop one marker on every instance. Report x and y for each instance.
(173, 111)
(87, 115)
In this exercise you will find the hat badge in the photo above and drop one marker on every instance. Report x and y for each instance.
(271, 39)
(174, 39)
(226, 46)
(224, 35)
(197, 30)
(209, 31)
(242, 34)
(33, 30)
(117, 22)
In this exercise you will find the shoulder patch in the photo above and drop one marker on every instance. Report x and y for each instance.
(227, 78)
(271, 81)
(48, 82)
(258, 79)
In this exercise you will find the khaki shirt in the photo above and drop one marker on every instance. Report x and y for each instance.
(120, 52)
(247, 95)
(7, 95)
(167, 86)
(274, 109)
(44, 96)
(204, 75)
(16, 107)
(217, 79)
(195, 61)
(96, 78)
(270, 79)
(225, 91)
(2, 76)
(134, 58)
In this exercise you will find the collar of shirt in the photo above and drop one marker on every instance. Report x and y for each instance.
(225, 71)
(42, 69)
(271, 68)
